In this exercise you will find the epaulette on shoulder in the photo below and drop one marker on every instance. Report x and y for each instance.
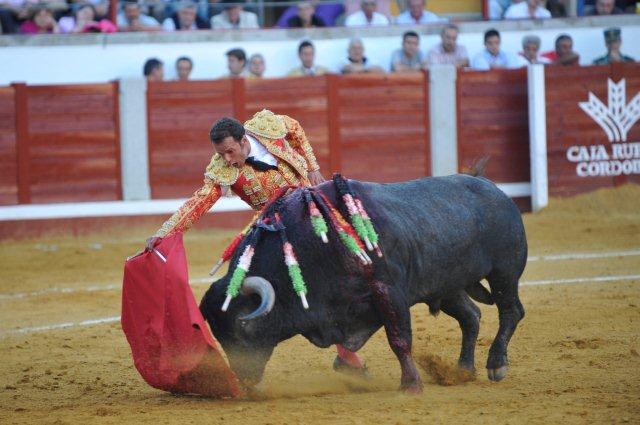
(220, 172)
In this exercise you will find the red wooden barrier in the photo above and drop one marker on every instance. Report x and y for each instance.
(179, 116)
(61, 143)
(572, 133)
(492, 112)
(8, 148)
(352, 123)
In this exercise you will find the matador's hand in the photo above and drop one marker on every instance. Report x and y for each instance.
(315, 177)
(152, 242)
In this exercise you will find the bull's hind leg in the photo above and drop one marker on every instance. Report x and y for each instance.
(461, 308)
(510, 312)
(396, 318)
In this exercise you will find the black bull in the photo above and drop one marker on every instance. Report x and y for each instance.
(440, 237)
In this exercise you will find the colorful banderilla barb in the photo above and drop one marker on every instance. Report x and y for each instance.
(290, 259)
(345, 232)
(317, 221)
(228, 252)
(244, 263)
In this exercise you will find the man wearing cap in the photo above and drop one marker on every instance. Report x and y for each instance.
(253, 161)
(613, 40)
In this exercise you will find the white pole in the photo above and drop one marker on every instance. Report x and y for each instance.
(442, 120)
(538, 137)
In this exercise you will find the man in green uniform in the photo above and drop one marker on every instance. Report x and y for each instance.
(613, 40)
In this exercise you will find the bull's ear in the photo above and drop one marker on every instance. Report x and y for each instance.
(262, 287)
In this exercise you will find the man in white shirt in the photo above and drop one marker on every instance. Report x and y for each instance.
(417, 15)
(233, 17)
(531, 51)
(367, 16)
(132, 19)
(449, 52)
(529, 9)
(492, 57)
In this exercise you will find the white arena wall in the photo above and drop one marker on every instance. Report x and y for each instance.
(90, 58)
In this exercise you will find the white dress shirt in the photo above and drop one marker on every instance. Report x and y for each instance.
(359, 19)
(259, 152)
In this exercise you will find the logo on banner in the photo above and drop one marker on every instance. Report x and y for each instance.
(616, 119)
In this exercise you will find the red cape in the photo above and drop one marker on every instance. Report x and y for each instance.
(171, 345)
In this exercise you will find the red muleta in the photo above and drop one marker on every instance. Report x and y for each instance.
(171, 345)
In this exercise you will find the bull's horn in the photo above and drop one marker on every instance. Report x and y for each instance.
(262, 287)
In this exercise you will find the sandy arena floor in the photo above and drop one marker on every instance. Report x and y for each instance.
(575, 358)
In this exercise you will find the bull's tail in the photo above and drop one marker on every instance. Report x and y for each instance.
(478, 292)
(478, 167)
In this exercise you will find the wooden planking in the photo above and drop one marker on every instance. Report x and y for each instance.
(180, 115)
(382, 127)
(493, 120)
(8, 148)
(568, 125)
(73, 152)
(302, 98)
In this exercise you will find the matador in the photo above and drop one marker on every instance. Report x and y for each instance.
(254, 161)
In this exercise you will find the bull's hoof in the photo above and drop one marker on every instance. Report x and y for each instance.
(341, 366)
(497, 374)
(469, 367)
(412, 389)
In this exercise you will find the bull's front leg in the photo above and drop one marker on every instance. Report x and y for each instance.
(396, 318)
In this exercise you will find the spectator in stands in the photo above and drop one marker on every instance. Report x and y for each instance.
(492, 57)
(602, 7)
(564, 54)
(409, 58)
(357, 62)
(613, 40)
(132, 19)
(531, 51)
(153, 70)
(257, 66)
(184, 66)
(367, 16)
(185, 18)
(529, 9)
(41, 21)
(307, 53)
(234, 17)
(306, 17)
(556, 8)
(448, 52)
(85, 19)
(236, 62)
(416, 14)
(498, 7)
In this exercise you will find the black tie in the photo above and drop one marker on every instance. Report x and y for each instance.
(259, 165)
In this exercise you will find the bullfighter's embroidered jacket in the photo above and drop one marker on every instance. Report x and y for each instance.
(284, 138)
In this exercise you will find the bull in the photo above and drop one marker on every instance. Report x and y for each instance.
(440, 237)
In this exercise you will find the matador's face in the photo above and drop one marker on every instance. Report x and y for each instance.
(233, 152)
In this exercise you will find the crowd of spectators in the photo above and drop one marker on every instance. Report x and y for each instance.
(74, 16)
(409, 58)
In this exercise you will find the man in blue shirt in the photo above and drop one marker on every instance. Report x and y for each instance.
(492, 57)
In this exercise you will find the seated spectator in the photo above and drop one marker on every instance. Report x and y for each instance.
(153, 70)
(305, 17)
(602, 7)
(529, 9)
(449, 52)
(531, 51)
(132, 19)
(556, 8)
(185, 18)
(236, 63)
(184, 66)
(498, 7)
(41, 21)
(234, 17)
(307, 53)
(416, 14)
(564, 54)
(492, 57)
(256, 66)
(613, 40)
(409, 58)
(84, 19)
(367, 16)
(357, 62)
